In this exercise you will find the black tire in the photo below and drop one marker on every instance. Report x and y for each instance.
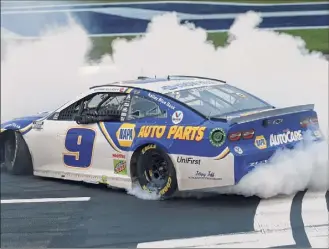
(16, 155)
(156, 172)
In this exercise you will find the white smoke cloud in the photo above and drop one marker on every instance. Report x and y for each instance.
(277, 67)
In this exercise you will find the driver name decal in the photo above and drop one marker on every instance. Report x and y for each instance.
(161, 101)
(286, 137)
(126, 135)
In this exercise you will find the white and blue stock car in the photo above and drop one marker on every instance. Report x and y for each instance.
(171, 134)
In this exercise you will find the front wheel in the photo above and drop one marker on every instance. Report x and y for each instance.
(156, 172)
(16, 157)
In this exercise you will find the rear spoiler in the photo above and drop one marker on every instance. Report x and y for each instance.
(271, 113)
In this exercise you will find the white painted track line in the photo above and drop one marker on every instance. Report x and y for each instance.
(273, 214)
(316, 219)
(40, 200)
(237, 240)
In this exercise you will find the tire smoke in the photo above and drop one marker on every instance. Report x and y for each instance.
(41, 75)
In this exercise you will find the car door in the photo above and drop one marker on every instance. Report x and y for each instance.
(74, 147)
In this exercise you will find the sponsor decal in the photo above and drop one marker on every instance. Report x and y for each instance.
(260, 142)
(128, 97)
(238, 150)
(177, 117)
(126, 135)
(113, 89)
(161, 101)
(187, 84)
(152, 131)
(119, 156)
(190, 133)
(189, 160)
(12, 125)
(125, 109)
(286, 137)
(103, 180)
(37, 125)
(120, 167)
(148, 147)
(277, 121)
(136, 92)
(56, 115)
(167, 187)
(217, 137)
(204, 176)
(254, 164)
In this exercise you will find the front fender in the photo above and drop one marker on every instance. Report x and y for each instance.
(23, 125)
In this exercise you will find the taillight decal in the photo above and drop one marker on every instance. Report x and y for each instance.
(248, 134)
(235, 136)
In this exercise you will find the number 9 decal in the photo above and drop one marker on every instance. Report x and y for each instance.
(79, 143)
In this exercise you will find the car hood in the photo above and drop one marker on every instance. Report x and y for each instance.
(22, 122)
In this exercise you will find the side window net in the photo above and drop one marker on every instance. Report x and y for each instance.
(99, 104)
(69, 112)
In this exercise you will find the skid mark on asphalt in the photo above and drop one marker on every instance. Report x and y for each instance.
(271, 228)
(316, 219)
(300, 220)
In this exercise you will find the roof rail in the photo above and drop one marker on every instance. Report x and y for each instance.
(139, 78)
(145, 77)
(103, 85)
(197, 77)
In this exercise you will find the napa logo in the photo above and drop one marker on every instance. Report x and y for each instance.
(126, 134)
(260, 142)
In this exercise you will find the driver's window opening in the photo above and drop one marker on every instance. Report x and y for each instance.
(98, 104)
(141, 107)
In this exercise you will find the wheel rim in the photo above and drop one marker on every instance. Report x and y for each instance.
(156, 172)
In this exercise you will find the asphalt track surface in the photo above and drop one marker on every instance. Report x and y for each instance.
(112, 218)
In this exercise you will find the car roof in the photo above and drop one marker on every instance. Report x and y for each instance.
(165, 85)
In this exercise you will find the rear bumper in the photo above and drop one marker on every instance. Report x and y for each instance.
(244, 164)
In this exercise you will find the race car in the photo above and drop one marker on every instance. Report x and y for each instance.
(168, 134)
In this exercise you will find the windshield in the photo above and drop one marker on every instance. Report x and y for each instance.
(218, 100)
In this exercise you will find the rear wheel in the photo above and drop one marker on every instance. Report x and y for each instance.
(156, 172)
(15, 155)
